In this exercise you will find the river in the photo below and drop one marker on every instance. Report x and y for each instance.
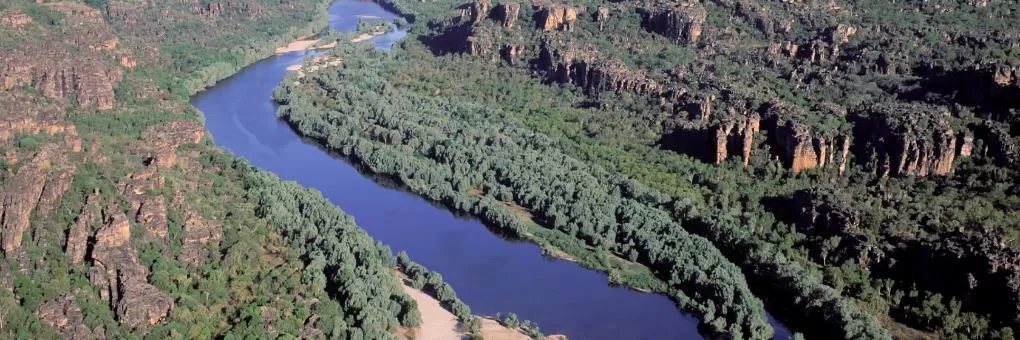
(489, 273)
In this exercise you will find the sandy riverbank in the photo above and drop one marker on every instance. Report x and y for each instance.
(436, 323)
(312, 44)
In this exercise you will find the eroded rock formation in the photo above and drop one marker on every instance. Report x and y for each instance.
(164, 139)
(74, 65)
(65, 317)
(78, 235)
(682, 23)
(20, 196)
(555, 17)
(831, 225)
(507, 13)
(121, 279)
(906, 139)
(199, 236)
(6, 277)
(14, 18)
(565, 63)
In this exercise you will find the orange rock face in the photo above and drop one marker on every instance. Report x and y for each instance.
(555, 17)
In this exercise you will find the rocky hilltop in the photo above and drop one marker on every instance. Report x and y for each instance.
(118, 218)
(713, 118)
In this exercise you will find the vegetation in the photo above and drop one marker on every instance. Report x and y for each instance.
(833, 254)
(286, 262)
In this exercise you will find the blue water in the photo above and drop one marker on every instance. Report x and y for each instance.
(490, 274)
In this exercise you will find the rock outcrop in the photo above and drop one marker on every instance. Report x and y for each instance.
(555, 17)
(831, 225)
(20, 196)
(601, 15)
(74, 64)
(1007, 75)
(65, 317)
(583, 67)
(797, 148)
(121, 279)
(165, 138)
(682, 23)
(6, 278)
(199, 236)
(14, 18)
(53, 191)
(477, 11)
(900, 139)
(90, 82)
(78, 235)
(998, 144)
(507, 13)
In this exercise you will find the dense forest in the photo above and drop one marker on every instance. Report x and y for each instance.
(119, 218)
(847, 166)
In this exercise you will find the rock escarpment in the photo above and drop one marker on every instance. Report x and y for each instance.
(550, 16)
(32, 189)
(65, 317)
(565, 63)
(681, 22)
(900, 139)
(164, 139)
(507, 13)
(121, 279)
(78, 235)
(73, 65)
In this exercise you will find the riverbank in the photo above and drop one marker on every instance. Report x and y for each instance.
(437, 323)
(306, 44)
(490, 273)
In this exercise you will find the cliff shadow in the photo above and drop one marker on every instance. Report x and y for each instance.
(974, 88)
(692, 141)
(446, 36)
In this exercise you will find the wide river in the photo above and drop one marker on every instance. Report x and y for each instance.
(491, 274)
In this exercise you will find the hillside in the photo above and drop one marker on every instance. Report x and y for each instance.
(849, 166)
(120, 219)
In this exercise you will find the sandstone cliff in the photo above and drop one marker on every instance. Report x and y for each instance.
(682, 22)
(899, 139)
(121, 279)
(550, 16)
(565, 62)
(78, 235)
(20, 196)
(65, 317)
(73, 63)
